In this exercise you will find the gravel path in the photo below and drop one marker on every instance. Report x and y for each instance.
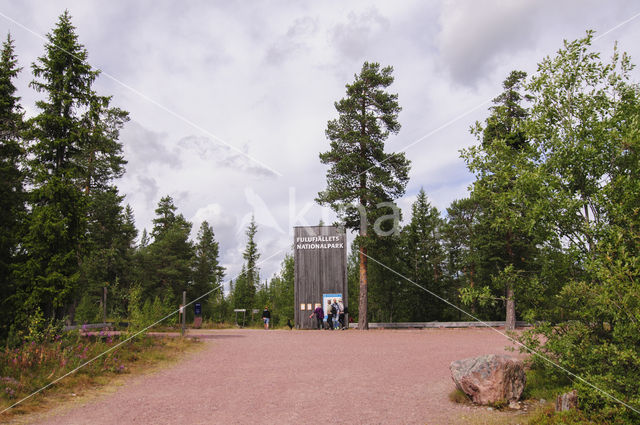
(297, 377)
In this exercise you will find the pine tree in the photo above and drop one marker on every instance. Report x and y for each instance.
(360, 171)
(11, 181)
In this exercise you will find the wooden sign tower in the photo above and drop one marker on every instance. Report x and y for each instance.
(320, 256)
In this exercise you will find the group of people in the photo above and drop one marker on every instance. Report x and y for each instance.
(336, 315)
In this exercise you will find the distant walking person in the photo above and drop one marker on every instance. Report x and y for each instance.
(319, 313)
(329, 315)
(266, 317)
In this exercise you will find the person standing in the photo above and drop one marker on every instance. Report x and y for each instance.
(341, 315)
(335, 310)
(319, 313)
(329, 314)
(266, 318)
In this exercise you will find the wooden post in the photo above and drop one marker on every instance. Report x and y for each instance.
(104, 306)
(567, 401)
(184, 311)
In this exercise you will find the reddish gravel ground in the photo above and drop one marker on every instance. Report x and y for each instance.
(297, 377)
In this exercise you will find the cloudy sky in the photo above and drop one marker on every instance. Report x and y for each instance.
(229, 100)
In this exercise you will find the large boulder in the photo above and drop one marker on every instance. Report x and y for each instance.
(489, 379)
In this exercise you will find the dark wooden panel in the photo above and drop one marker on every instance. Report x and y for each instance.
(320, 255)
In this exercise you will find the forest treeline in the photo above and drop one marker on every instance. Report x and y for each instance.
(549, 232)
(67, 233)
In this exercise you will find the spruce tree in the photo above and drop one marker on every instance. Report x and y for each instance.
(73, 146)
(170, 255)
(505, 121)
(424, 259)
(246, 284)
(251, 255)
(503, 166)
(243, 291)
(361, 173)
(207, 272)
(11, 180)
(109, 248)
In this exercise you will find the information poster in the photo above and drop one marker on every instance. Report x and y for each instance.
(327, 300)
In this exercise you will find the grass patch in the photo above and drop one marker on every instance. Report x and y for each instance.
(31, 366)
(543, 385)
(458, 396)
(548, 416)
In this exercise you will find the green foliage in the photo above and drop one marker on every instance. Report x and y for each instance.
(424, 263)
(109, 251)
(541, 384)
(353, 279)
(37, 329)
(458, 396)
(482, 296)
(508, 230)
(548, 416)
(579, 125)
(584, 127)
(207, 272)
(219, 309)
(144, 312)
(89, 310)
(552, 222)
(508, 114)
(73, 151)
(165, 266)
(280, 292)
(246, 284)
(251, 255)
(12, 196)
(244, 291)
(385, 289)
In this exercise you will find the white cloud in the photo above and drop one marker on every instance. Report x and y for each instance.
(475, 34)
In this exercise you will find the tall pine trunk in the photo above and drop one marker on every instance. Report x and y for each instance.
(510, 321)
(510, 316)
(363, 322)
